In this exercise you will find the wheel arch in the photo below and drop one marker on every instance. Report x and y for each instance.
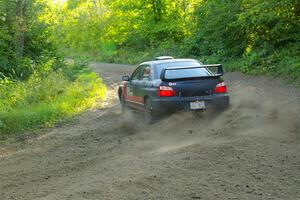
(120, 91)
(146, 97)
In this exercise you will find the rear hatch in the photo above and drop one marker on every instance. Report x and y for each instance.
(191, 81)
(196, 87)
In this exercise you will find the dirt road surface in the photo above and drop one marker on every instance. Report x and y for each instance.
(251, 151)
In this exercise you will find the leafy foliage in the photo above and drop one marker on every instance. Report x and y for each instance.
(36, 87)
(263, 34)
(106, 27)
(217, 29)
(44, 99)
(24, 42)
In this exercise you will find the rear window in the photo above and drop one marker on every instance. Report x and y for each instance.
(160, 67)
(186, 73)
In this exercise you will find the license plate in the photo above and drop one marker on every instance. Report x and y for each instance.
(197, 105)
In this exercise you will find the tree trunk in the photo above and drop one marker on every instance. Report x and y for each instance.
(157, 9)
(20, 26)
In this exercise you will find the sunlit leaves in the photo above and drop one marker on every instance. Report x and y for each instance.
(91, 25)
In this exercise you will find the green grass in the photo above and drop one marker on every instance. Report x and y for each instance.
(46, 98)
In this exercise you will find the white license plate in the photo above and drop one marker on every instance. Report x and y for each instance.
(196, 105)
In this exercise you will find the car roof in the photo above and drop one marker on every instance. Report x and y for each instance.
(157, 62)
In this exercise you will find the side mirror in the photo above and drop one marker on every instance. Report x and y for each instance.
(125, 78)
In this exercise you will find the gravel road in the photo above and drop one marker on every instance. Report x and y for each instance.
(251, 151)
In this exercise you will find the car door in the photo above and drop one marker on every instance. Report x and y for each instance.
(132, 99)
(143, 83)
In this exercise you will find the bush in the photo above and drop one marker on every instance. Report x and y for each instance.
(42, 100)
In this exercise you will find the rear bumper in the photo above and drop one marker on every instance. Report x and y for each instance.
(168, 105)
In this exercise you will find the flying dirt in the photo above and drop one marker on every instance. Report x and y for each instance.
(250, 151)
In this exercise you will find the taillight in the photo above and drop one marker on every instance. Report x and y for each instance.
(220, 88)
(166, 91)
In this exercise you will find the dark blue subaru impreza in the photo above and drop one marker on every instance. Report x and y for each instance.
(166, 85)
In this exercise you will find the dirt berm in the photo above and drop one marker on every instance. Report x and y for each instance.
(251, 151)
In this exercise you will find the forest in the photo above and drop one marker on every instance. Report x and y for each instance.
(45, 46)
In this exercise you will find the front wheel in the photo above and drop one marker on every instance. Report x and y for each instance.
(122, 102)
(148, 112)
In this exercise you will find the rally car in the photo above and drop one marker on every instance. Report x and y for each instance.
(166, 85)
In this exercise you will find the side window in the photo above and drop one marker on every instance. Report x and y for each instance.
(137, 73)
(143, 72)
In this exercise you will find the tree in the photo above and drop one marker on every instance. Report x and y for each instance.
(24, 38)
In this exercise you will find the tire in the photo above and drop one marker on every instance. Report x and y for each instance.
(122, 102)
(148, 113)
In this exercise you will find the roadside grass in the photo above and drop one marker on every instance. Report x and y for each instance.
(284, 63)
(47, 97)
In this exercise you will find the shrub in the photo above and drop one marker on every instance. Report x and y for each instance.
(42, 100)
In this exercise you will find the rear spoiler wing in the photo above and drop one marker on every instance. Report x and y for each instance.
(219, 71)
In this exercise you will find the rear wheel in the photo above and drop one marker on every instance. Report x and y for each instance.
(148, 112)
